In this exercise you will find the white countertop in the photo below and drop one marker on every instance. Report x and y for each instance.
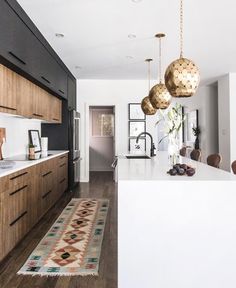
(19, 165)
(156, 169)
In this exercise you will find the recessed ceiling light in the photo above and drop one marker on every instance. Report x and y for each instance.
(131, 36)
(59, 35)
(129, 57)
(136, 1)
(78, 67)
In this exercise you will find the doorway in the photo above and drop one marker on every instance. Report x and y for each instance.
(101, 138)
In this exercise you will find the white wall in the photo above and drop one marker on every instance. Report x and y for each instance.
(17, 134)
(116, 93)
(206, 101)
(227, 119)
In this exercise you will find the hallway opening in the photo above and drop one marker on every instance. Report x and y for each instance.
(101, 138)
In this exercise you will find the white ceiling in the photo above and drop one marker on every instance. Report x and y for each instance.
(96, 35)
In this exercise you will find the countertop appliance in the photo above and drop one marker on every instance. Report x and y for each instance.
(65, 136)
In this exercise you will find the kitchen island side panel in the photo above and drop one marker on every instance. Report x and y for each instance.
(177, 234)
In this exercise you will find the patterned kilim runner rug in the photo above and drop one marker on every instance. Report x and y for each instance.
(73, 244)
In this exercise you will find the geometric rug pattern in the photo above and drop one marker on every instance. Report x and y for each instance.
(73, 244)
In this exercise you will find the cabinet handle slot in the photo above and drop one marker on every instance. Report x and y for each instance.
(9, 108)
(45, 79)
(61, 91)
(18, 218)
(55, 119)
(17, 58)
(15, 177)
(63, 180)
(38, 115)
(46, 194)
(18, 190)
(62, 165)
(46, 174)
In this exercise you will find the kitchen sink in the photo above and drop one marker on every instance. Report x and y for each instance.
(137, 157)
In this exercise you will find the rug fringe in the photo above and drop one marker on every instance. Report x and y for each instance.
(25, 273)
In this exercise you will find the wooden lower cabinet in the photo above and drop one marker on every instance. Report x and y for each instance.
(26, 196)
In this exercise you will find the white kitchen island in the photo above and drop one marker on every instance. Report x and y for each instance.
(175, 231)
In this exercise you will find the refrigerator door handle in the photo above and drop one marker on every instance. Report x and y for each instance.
(77, 160)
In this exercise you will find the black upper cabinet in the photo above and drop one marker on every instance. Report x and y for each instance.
(71, 93)
(20, 46)
(17, 44)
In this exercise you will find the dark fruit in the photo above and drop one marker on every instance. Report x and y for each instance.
(173, 172)
(184, 166)
(176, 166)
(190, 171)
(181, 171)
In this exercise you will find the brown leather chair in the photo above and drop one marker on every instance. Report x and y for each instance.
(214, 160)
(196, 155)
(183, 151)
(234, 167)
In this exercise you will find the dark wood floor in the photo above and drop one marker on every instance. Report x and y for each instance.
(101, 186)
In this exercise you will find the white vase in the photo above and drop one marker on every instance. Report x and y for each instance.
(173, 148)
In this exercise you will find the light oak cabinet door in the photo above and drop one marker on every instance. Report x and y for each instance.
(41, 102)
(24, 95)
(62, 174)
(56, 110)
(15, 218)
(8, 98)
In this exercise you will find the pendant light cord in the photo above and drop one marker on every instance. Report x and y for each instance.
(149, 76)
(181, 28)
(160, 72)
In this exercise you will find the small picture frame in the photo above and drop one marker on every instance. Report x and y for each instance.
(135, 112)
(136, 127)
(34, 139)
(137, 147)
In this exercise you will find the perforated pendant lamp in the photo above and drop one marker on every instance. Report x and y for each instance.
(159, 96)
(146, 105)
(182, 76)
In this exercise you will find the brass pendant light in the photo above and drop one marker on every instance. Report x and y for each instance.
(146, 104)
(159, 95)
(182, 76)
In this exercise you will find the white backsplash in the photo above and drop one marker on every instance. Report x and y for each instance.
(17, 138)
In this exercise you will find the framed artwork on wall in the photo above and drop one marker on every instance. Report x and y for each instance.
(35, 140)
(102, 124)
(135, 112)
(191, 122)
(136, 127)
(137, 147)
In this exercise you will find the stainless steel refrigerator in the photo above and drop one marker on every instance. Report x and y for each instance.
(66, 136)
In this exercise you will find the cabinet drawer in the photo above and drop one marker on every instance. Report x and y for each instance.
(16, 202)
(63, 159)
(14, 216)
(16, 179)
(12, 234)
(45, 168)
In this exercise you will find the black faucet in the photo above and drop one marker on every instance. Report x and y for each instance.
(153, 148)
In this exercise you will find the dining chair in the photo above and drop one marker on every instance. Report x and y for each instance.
(196, 154)
(214, 160)
(183, 151)
(234, 167)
